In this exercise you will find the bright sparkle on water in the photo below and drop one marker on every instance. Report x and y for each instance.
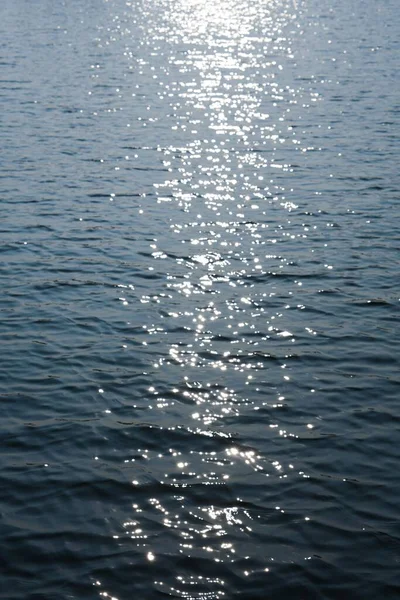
(220, 67)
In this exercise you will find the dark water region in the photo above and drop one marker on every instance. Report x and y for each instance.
(199, 300)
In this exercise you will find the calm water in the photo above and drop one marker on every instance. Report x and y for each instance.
(200, 269)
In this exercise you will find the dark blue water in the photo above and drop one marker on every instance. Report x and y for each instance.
(200, 263)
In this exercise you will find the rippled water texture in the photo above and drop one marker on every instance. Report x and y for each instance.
(200, 298)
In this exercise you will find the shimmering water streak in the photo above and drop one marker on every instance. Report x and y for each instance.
(238, 252)
(246, 254)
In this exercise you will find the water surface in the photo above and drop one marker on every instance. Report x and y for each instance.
(200, 294)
